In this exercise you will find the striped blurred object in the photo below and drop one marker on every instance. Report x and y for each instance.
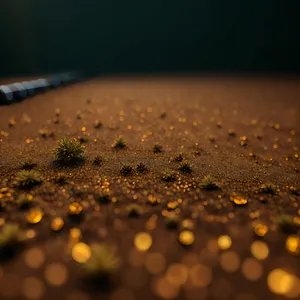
(11, 93)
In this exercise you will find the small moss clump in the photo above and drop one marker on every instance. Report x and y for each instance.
(60, 179)
(126, 170)
(134, 210)
(178, 158)
(294, 191)
(209, 183)
(28, 178)
(28, 164)
(10, 236)
(268, 188)
(185, 167)
(83, 139)
(157, 148)
(119, 143)
(68, 151)
(103, 263)
(98, 160)
(287, 224)
(169, 176)
(141, 168)
(98, 124)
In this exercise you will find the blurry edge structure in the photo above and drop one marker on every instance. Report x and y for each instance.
(18, 91)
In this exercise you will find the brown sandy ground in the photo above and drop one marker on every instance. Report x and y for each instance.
(242, 131)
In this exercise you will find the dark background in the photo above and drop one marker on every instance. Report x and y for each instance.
(99, 37)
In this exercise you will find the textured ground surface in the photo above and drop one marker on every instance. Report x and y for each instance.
(242, 131)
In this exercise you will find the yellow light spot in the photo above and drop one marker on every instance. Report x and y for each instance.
(172, 205)
(75, 234)
(293, 244)
(224, 242)
(83, 129)
(261, 229)
(34, 216)
(57, 224)
(30, 234)
(81, 252)
(259, 250)
(129, 127)
(188, 224)
(186, 237)
(143, 241)
(75, 208)
(281, 282)
(56, 274)
(238, 200)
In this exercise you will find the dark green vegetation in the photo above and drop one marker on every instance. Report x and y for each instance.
(28, 178)
(68, 151)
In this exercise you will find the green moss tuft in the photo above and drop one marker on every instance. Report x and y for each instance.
(68, 151)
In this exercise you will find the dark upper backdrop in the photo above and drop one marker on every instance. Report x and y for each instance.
(110, 36)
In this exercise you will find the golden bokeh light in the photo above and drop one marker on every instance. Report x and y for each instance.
(260, 250)
(293, 244)
(224, 242)
(34, 216)
(238, 200)
(261, 229)
(75, 208)
(143, 241)
(281, 282)
(81, 252)
(186, 237)
(57, 224)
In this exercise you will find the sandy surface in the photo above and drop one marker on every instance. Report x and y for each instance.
(177, 113)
